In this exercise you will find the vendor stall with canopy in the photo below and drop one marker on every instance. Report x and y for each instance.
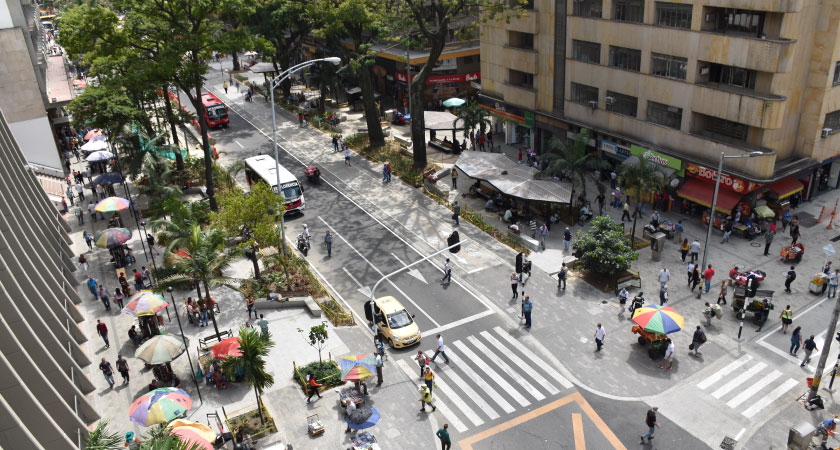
(512, 179)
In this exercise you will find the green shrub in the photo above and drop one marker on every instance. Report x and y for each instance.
(326, 373)
(603, 248)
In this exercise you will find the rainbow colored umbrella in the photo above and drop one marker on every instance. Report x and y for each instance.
(226, 347)
(145, 303)
(159, 406)
(112, 237)
(193, 433)
(112, 204)
(357, 367)
(659, 319)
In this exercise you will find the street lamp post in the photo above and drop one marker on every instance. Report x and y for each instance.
(192, 369)
(272, 84)
(714, 206)
(146, 233)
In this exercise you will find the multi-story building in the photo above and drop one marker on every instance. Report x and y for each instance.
(681, 81)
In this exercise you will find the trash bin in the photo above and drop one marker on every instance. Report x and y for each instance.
(799, 437)
(657, 242)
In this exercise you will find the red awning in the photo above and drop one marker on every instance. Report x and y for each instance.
(786, 187)
(702, 193)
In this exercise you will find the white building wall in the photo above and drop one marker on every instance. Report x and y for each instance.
(35, 138)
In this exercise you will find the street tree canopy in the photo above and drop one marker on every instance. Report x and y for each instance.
(603, 248)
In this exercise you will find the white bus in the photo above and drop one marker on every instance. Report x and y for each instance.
(262, 168)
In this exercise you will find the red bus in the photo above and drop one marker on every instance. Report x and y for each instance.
(215, 112)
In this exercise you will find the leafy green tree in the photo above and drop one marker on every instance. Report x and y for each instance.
(639, 179)
(104, 107)
(603, 248)
(158, 438)
(571, 159)
(101, 439)
(317, 337)
(175, 228)
(473, 117)
(255, 348)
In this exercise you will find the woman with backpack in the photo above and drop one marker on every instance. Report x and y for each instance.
(697, 340)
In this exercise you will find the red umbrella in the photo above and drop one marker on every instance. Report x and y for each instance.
(226, 348)
(90, 134)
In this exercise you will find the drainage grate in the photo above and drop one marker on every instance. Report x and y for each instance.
(728, 443)
(836, 239)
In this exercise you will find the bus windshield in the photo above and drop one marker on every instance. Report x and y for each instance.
(216, 112)
(291, 191)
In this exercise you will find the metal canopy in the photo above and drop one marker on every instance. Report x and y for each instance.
(512, 179)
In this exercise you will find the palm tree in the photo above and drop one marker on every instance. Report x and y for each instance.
(174, 232)
(158, 438)
(571, 160)
(203, 263)
(255, 348)
(473, 116)
(101, 439)
(640, 178)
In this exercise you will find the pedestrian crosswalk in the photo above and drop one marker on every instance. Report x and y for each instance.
(490, 374)
(747, 384)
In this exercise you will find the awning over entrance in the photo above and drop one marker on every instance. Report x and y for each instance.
(786, 187)
(512, 179)
(702, 193)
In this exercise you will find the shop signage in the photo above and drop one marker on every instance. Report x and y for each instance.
(729, 182)
(656, 157)
(402, 76)
(440, 79)
(613, 148)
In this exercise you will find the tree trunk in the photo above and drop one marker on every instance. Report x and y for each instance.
(377, 138)
(205, 146)
(418, 82)
(259, 405)
(236, 66)
(256, 264)
(322, 86)
(633, 233)
(211, 311)
(173, 127)
(198, 290)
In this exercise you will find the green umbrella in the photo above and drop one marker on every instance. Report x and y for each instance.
(454, 102)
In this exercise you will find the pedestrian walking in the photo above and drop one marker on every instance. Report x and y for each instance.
(312, 386)
(124, 284)
(93, 286)
(794, 232)
(454, 173)
(514, 284)
(527, 307)
(663, 295)
(678, 231)
(88, 240)
(443, 435)
(650, 421)
(600, 334)
(695, 250)
(707, 277)
(808, 346)
(626, 211)
(440, 350)
(328, 239)
(386, 173)
(708, 313)
(150, 240)
(147, 276)
(613, 179)
(727, 231)
(768, 239)
(138, 280)
(103, 296)
(690, 271)
(428, 377)
(697, 340)
(88, 175)
(617, 198)
(122, 368)
(622, 300)
(70, 196)
(102, 331)
(347, 156)
(263, 324)
(567, 239)
(833, 280)
(664, 277)
(763, 314)
(83, 264)
(787, 318)
(118, 297)
(795, 340)
(791, 275)
(426, 397)
(669, 355)
(92, 210)
(561, 277)
(422, 360)
(447, 273)
(335, 143)
(108, 372)
(694, 277)
(456, 213)
(532, 224)
(225, 86)
(378, 370)
(683, 250)
(543, 235)
(249, 306)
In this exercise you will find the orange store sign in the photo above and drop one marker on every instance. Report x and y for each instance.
(732, 183)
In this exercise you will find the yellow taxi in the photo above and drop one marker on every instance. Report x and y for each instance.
(395, 323)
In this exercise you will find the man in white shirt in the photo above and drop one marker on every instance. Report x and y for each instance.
(440, 349)
(600, 334)
(306, 236)
(833, 280)
(695, 250)
(664, 277)
(669, 356)
(690, 270)
(378, 370)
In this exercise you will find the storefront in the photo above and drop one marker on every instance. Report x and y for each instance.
(514, 123)
(699, 188)
(614, 151)
(671, 166)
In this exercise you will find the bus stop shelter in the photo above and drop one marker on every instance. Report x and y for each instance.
(512, 179)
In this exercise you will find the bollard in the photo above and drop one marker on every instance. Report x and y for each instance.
(822, 211)
(830, 222)
(740, 329)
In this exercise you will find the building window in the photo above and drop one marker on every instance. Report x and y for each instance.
(625, 58)
(732, 76)
(527, 5)
(585, 95)
(673, 15)
(587, 8)
(629, 10)
(836, 80)
(621, 104)
(668, 66)
(521, 40)
(737, 21)
(586, 51)
(832, 121)
(521, 79)
(725, 128)
(669, 116)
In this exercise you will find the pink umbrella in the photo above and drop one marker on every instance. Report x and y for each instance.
(191, 437)
(90, 134)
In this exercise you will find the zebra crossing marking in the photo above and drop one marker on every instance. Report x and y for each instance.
(769, 398)
(444, 409)
(753, 389)
(735, 382)
(519, 362)
(726, 370)
(479, 380)
(533, 357)
(521, 380)
(491, 373)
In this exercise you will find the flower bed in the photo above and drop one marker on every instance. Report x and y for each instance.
(250, 422)
(326, 373)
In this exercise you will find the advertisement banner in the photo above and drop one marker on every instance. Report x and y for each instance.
(440, 79)
(727, 182)
(656, 157)
(613, 148)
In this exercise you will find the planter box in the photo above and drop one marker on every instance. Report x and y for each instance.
(290, 302)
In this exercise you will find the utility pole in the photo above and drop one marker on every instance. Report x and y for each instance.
(832, 326)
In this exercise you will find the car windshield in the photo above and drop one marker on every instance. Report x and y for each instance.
(216, 112)
(291, 192)
(399, 319)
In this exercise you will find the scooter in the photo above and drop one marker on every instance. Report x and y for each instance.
(302, 245)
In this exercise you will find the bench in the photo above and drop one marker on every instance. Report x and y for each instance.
(445, 146)
(628, 278)
(525, 240)
(290, 302)
(209, 340)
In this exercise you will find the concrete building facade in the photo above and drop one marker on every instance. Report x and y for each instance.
(684, 80)
(44, 388)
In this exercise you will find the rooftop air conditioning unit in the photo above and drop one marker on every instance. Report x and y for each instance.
(610, 100)
(826, 132)
(593, 104)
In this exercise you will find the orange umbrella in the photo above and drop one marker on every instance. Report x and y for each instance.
(226, 348)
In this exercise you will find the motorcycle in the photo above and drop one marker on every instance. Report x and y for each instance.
(302, 245)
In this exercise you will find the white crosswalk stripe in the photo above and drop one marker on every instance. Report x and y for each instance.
(769, 398)
(726, 370)
(478, 384)
(733, 383)
(752, 387)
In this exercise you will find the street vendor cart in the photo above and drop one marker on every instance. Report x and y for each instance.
(818, 284)
(653, 324)
(743, 304)
(657, 342)
(793, 253)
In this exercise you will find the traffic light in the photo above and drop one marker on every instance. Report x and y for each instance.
(454, 239)
(838, 336)
(520, 259)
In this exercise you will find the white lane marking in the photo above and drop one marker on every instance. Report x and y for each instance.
(740, 433)
(523, 366)
(453, 419)
(787, 356)
(769, 398)
(521, 348)
(476, 379)
(471, 394)
(521, 380)
(378, 271)
(239, 144)
(360, 319)
(715, 377)
(506, 387)
(753, 389)
(798, 314)
(741, 378)
(413, 272)
(443, 388)
(458, 322)
(364, 290)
